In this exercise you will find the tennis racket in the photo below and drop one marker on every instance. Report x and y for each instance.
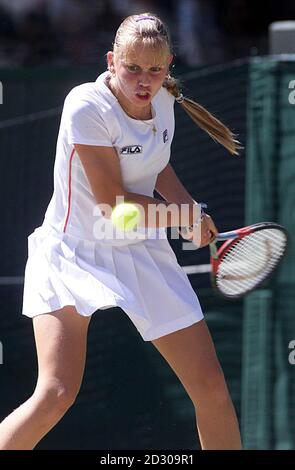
(248, 257)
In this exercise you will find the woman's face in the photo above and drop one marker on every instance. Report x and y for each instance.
(138, 78)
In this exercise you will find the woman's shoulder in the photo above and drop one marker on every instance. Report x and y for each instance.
(89, 91)
(164, 97)
(163, 102)
(87, 96)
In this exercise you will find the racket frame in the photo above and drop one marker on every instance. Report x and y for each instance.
(230, 239)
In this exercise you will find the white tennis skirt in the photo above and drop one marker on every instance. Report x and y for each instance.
(142, 278)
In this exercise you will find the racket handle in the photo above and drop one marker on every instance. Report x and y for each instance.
(227, 235)
(221, 237)
(213, 250)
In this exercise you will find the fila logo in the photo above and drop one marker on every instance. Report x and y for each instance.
(165, 136)
(131, 149)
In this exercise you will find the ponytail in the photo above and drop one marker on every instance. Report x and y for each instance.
(205, 120)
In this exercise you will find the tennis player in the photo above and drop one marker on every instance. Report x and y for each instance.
(114, 141)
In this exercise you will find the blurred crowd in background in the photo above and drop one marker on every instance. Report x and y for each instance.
(38, 32)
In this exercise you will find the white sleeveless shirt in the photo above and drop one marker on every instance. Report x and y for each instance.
(92, 115)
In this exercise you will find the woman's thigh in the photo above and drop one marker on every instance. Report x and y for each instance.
(190, 352)
(61, 342)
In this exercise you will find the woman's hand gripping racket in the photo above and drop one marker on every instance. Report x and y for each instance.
(247, 258)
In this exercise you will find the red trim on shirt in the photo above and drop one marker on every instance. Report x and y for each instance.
(69, 190)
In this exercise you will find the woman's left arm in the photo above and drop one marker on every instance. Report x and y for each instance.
(170, 187)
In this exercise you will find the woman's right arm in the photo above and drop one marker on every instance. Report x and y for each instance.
(103, 170)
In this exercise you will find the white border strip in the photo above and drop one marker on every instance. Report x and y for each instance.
(197, 269)
(194, 269)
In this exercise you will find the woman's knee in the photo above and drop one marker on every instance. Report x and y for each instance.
(211, 390)
(55, 396)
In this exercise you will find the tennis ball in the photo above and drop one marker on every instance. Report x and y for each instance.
(125, 216)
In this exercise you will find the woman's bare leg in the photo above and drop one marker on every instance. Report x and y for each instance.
(61, 339)
(191, 354)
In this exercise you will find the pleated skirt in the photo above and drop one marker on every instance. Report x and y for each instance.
(144, 279)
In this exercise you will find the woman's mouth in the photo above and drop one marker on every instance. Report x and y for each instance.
(142, 95)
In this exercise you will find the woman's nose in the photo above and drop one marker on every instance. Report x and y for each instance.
(144, 79)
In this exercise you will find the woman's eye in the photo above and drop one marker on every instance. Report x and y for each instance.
(132, 68)
(136, 68)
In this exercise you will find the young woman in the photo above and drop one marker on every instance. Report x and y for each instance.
(114, 141)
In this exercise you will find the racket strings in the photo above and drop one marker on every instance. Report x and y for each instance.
(250, 260)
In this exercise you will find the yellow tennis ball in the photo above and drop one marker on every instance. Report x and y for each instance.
(125, 216)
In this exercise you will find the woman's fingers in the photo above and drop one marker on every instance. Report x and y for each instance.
(208, 232)
(210, 224)
(203, 234)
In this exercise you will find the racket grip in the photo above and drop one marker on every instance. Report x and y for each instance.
(227, 235)
(213, 249)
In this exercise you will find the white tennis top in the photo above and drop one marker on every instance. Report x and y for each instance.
(92, 115)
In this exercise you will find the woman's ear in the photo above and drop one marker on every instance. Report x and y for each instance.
(170, 60)
(110, 59)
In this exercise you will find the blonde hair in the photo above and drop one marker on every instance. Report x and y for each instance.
(150, 31)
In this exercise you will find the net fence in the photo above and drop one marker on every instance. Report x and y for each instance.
(268, 404)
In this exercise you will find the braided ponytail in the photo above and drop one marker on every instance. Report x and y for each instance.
(203, 118)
